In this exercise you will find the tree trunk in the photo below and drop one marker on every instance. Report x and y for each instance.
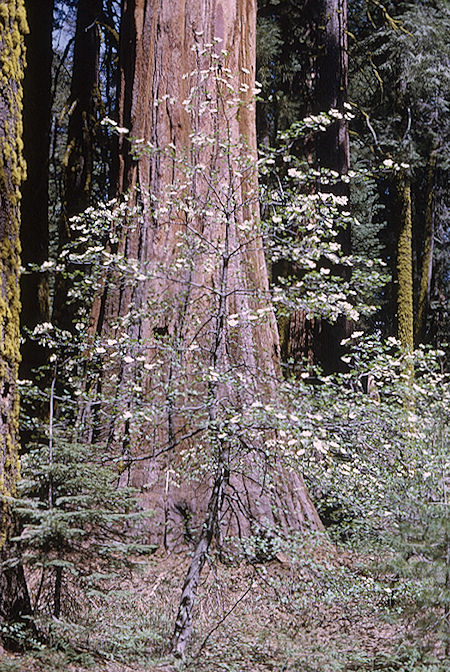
(405, 313)
(426, 269)
(333, 153)
(34, 234)
(14, 601)
(333, 150)
(78, 162)
(317, 341)
(34, 206)
(195, 190)
(83, 107)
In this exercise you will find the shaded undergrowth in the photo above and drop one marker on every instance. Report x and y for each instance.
(311, 608)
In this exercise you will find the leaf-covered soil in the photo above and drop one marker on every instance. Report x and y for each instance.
(311, 608)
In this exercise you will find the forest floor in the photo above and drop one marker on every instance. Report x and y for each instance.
(312, 608)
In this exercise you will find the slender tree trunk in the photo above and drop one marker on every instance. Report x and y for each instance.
(189, 307)
(184, 621)
(405, 313)
(14, 599)
(78, 160)
(426, 268)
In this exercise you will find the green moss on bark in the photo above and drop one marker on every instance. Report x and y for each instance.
(405, 312)
(12, 172)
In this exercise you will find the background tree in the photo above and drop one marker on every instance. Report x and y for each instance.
(400, 79)
(83, 107)
(287, 51)
(331, 84)
(405, 315)
(426, 265)
(303, 53)
(34, 228)
(333, 154)
(34, 225)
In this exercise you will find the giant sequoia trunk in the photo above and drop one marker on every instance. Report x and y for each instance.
(200, 359)
(14, 600)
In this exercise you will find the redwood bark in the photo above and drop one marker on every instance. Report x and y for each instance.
(160, 42)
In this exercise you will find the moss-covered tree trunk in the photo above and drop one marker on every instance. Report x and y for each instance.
(183, 319)
(78, 162)
(405, 312)
(14, 600)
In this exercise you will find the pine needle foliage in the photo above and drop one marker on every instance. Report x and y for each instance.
(80, 531)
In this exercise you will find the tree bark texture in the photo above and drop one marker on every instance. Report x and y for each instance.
(78, 162)
(183, 317)
(14, 600)
(426, 267)
(405, 311)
